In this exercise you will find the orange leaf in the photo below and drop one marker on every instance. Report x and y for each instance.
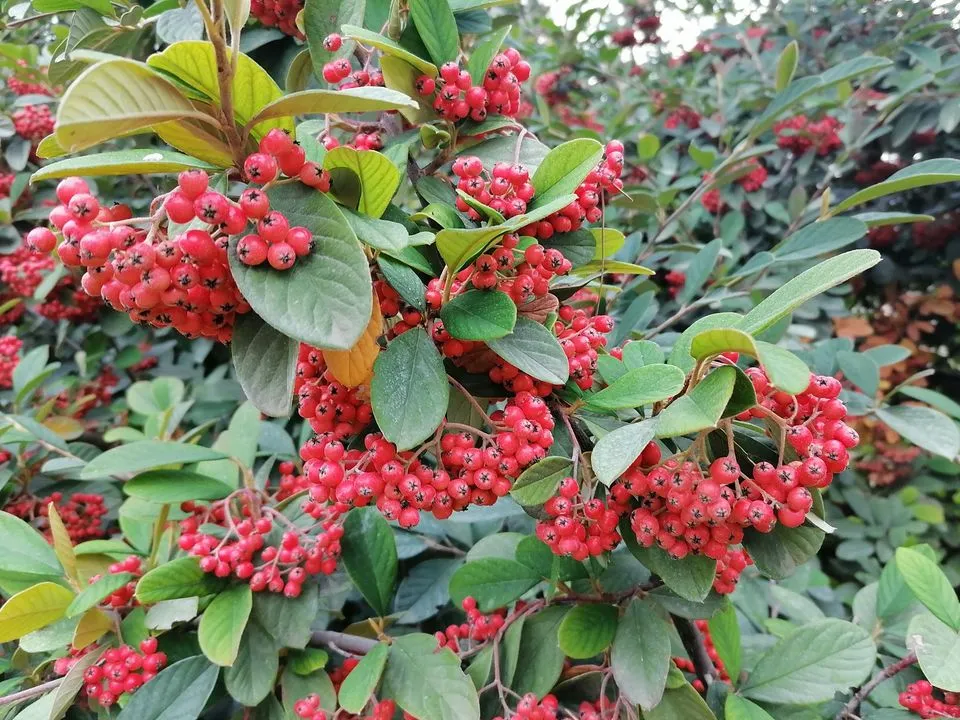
(354, 367)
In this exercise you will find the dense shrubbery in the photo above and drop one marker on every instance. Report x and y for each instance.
(431, 360)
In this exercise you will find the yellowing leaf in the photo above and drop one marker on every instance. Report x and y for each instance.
(92, 626)
(61, 543)
(378, 178)
(196, 139)
(354, 367)
(50, 148)
(115, 97)
(90, 565)
(33, 608)
(66, 427)
(194, 64)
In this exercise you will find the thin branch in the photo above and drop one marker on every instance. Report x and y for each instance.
(350, 643)
(848, 712)
(30, 693)
(693, 642)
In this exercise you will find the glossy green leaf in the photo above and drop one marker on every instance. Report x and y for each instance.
(363, 679)
(617, 450)
(861, 370)
(787, 65)
(145, 455)
(690, 578)
(175, 486)
(265, 361)
(146, 161)
(288, 620)
(377, 176)
(409, 391)
(223, 622)
(325, 299)
(640, 659)
(253, 673)
(587, 630)
(535, 350)
(539, 659)
(493, 582)
(938, 651)
(94, 594)
(370, 557)
(725, 636)
(564, 168)
(348, 100)
(437, 28)
(178, 692)
(738, 708)
(27, 555)
(538, 483)
(700, 408)
(180, 578)
(640, 386)
(930, 585)
(388, 46)
(820, 238)
(479, 315)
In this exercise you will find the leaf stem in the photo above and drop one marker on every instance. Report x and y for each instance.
(30, 693)
(848, 711)
(158, 529)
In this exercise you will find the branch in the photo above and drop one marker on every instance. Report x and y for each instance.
(29, 693)
(225, 72)
(848, 711)
(354, 644)
(693, 642)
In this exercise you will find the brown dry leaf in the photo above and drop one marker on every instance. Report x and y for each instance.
(354, 367)
(537, 309)
(852, 327)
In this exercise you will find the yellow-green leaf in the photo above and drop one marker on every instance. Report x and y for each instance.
(92, 626)
(400, 75)
(142, 161)
(115, 97)
(61, 543)
(194, 64)
(222, 624)
(378, 177)
(389, 47)
(33, 608)
(312, 102)
(196, 139)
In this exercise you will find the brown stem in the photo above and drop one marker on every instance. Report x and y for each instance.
(353, 644)
(848, 711)
(693, 642)
(30, 693)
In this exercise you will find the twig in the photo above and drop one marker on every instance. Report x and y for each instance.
(848, 711)
(693, 642)
(29, 693)
(351, 643)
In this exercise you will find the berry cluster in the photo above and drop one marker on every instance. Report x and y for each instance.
(579, 527)
(81, 399)
(81, 513)
(308, 708)
(123, 596)
(919, 698)
(682, 115)
(281, 14)
(333, 410)
(754, 180)
(645, 24)
(23, 270)
(457, 98)
(876, 173)
(9, 359)
(530, 708)
(506, 188)
(120, 670)
(23, 87)
(33, 122)
(675, 280)
(479, 627)
(799, 134)
(252, 547)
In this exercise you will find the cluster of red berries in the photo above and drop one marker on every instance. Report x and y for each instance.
(919, 698)
(529, 707)
(579, 527)
(457, 98)
(123, 596)
(308, 708)
(799, 134)
(647, 25)
(251, 550)
(479, 627)
(506, 188)
(281, 14)
(711, 200)
(81, 513)
(935, 235)
(6, 183)
(682, 115)
(675, 280)
(754, 180)
(23, 87)
(882, 236)
(33, 122)
(183, 282)
(9, 359)
(23, 270)
(333, 410)
(80, 400)
(877, 172)
(120, 670)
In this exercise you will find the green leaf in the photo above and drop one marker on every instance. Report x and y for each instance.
(640, 658)
(493, 582)
(117, 97)
(26, 555)
(932, 397)
(266, 363)
(380, 234)
(323, 17)
(786, 371)
(539, 657)
(404, 280)
(779, 553)
(699, 409)
(938, 651)
(786, 65)
(253, 673)
(484, 52)
(145, 161)
(884, 355)
(370, 557)
(223, 622)
(587, 630)
(820, 238)
(810, 283)
(640, 386)
(725, 636)
(33, 608)
(921, 174)
(479, 315)
(738, 708)
(680, 355)
(409, 391)
(879, 219)
(93, 595)
(564, 168)
(617, 450)
(648, 145)
(145, 455)
(930, 585)
(288, 620)
(180, 578)
(690, 578)
(385, 44)
(699, 270)
(428, 683)
(363, 679)
(457, 245)
(73, 682)
(304, 662)
(533, 349)
(681, 702)
(925, 427)
(539, 482)
(178, 692)
(812, 663)
(437, 28)
(175, 486)
(537, 555)
(378, 178)
(861, 370)
(325, 300)
(350, 100)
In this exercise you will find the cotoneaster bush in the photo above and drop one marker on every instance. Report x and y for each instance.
(522, 482)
